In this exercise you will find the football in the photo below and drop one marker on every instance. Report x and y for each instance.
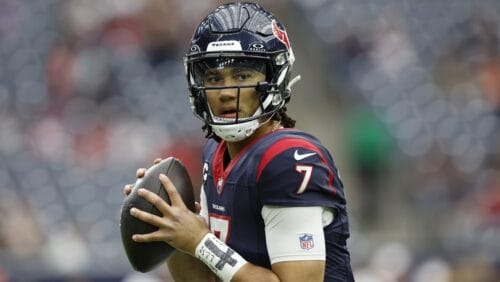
(145, 256)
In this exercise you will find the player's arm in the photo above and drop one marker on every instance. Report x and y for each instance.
(294, 257)
(295, 241)
(185, 267)
(183, 263)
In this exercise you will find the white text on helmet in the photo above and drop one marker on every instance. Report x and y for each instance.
(229, 45)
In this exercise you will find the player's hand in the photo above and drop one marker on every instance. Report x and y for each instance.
(179, 227)
(197, 207)
(139, 174)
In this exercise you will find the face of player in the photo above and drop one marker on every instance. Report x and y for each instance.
(224, 102)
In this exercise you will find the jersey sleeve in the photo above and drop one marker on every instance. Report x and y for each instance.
(288, 241)
(297, 172)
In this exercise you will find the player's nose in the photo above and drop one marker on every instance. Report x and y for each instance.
(228, 93)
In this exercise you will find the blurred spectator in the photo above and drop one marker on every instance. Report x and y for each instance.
(370, 149)
(19, 231)
(489, 80)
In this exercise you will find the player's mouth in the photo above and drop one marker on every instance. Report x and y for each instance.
(230, 113)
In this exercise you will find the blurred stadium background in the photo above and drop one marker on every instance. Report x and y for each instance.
(406, 94)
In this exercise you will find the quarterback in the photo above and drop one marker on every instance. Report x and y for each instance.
(272, 205)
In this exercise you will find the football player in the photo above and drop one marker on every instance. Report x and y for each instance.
(272, 203)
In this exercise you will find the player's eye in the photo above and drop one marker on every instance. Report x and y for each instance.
(243, 76)
(212, 79)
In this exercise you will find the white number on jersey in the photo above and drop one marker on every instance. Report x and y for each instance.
(307, 171)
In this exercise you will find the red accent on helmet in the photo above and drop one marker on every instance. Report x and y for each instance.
(281, 35)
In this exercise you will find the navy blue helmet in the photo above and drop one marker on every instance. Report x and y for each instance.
(246, 35)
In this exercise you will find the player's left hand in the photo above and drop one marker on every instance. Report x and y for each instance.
(179, 227)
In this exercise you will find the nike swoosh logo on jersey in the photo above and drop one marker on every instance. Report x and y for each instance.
(299, 157)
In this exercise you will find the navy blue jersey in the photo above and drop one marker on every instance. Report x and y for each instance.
(283, 168)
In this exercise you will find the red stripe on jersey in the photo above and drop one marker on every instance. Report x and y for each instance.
(219, 172)
(285, 144)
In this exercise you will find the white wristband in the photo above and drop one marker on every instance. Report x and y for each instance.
(219, 257)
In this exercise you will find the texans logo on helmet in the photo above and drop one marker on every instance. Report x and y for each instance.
(280, 34)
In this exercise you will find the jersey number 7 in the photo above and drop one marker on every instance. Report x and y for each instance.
(307, 171)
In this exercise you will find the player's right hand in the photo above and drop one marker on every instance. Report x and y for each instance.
(139, 174)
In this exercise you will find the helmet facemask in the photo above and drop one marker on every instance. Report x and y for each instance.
(234, 128)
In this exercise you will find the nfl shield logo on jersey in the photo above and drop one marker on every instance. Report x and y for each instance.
(306, 241)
